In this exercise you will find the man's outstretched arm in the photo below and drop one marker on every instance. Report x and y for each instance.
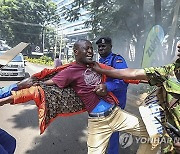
(6, 100)
(134, 74)
(29, 87)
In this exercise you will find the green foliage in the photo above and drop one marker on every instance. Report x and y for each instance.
(113, 18)
(128, 21)
(107, 17)
(50, 37)
(24, 20)
(43, 60)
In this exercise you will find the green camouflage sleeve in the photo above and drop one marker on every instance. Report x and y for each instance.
(157, 75)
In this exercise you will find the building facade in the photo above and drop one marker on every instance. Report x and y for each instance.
(70, 32)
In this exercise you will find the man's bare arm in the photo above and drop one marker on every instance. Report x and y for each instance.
(128, 73)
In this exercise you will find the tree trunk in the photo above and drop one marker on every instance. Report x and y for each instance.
(140, 37)
(173, 28)
(157, 11)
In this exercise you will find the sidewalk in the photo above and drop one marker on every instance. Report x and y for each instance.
(39, 68)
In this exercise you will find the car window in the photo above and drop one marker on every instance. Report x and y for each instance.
(17, 58)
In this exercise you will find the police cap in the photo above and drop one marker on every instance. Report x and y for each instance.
(104, 40)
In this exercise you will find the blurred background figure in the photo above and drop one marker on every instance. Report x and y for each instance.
(57, 61)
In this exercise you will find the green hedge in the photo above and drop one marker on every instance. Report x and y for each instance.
(44, 60)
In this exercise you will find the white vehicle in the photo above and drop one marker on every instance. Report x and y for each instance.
(15, 68)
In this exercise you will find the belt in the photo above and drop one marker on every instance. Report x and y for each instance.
(103, 114)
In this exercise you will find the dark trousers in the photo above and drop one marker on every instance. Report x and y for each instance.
(7, 143)
(114, 146)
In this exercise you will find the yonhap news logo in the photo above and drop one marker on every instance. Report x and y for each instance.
(127, 139)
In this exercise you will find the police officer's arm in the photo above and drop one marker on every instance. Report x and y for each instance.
(134, 74)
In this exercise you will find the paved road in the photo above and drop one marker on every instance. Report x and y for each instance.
(63, 136)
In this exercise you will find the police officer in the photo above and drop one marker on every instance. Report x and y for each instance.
(167, 79)
(7, 142)
(118, 87)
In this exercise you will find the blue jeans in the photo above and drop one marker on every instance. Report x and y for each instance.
(7, 143)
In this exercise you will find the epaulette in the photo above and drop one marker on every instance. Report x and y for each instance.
(119, 58)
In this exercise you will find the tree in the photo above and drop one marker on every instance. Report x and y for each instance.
(50, 36)
(172, 32)
(112, 18)
(127, 22)
(24, 20)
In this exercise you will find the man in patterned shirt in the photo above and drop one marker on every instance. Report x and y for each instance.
(83, 80)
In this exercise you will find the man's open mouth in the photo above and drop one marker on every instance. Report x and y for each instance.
(90, 57)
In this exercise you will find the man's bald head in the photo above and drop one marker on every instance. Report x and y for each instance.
(78, 44)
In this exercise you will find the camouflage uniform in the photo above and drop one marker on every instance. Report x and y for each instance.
(165, 78)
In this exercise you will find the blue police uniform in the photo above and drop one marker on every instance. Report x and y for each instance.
(119, 89)
(6, 91)
(7, 142)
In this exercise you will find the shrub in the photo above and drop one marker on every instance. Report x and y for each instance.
(44, 60)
